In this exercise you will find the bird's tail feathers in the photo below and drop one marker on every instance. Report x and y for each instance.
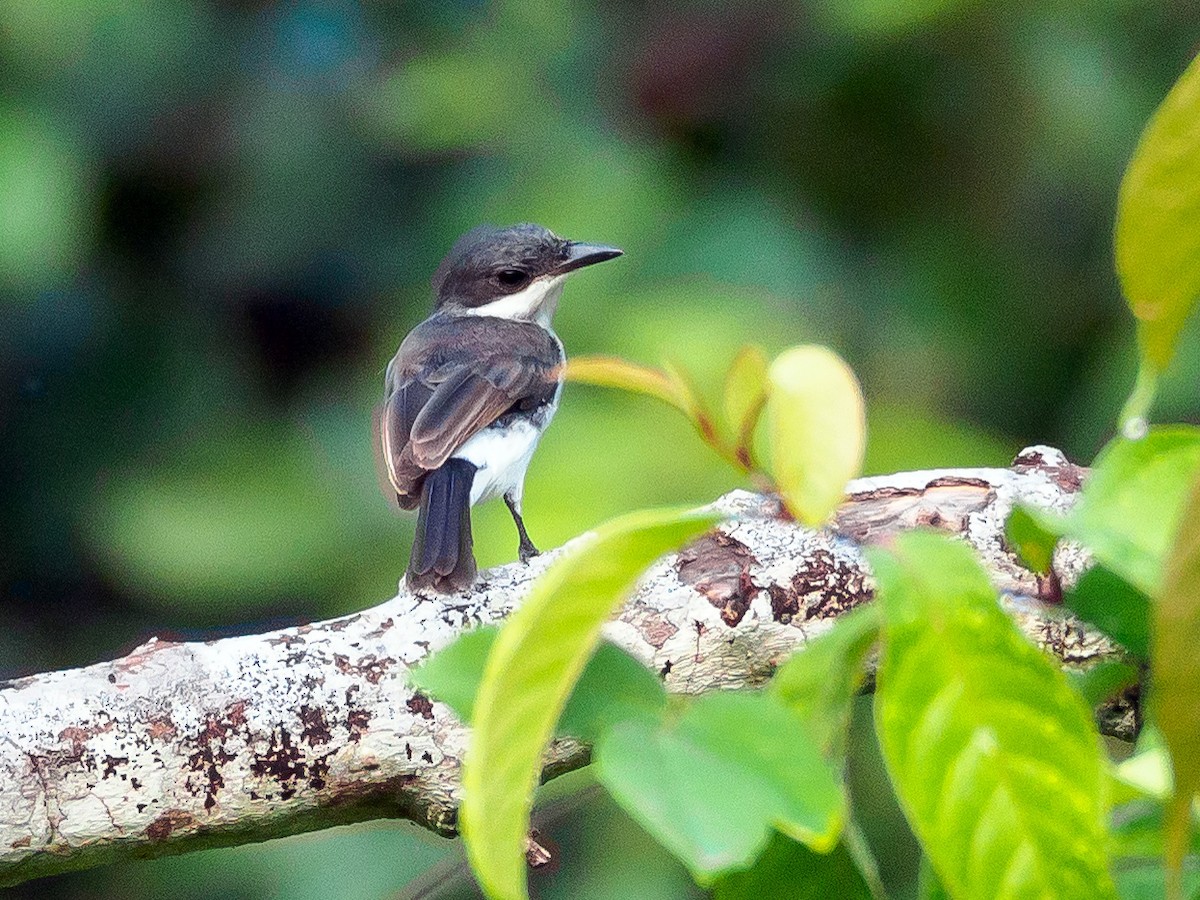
(441, 553)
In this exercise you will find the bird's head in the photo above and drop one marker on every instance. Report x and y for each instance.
(511, 273)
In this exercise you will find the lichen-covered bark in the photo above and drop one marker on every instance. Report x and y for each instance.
(177, 746)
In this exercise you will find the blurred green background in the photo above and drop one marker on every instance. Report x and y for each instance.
(218, 219)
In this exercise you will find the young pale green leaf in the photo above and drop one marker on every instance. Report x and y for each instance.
(613, 685)
(1175, 675)
(994, 757)
(1033, 534)
(789, 869)
(745, 391)
(534, 664)
(1114, 606)
(712, 785)
(1158, 211)
(818, 683)
(817, 430)
(614, 372)
(688, 397)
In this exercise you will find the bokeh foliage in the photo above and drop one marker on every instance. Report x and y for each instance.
(218, 218)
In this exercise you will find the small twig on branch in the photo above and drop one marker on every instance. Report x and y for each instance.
(180, 746)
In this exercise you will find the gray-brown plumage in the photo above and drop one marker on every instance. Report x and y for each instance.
(471, 389)
(454, 376)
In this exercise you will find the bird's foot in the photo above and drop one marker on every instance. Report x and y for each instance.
(527, 551)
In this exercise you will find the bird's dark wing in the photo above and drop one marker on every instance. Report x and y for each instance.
(393, 425)
(442, 392)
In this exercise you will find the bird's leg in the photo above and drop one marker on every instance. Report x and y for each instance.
(526, 551)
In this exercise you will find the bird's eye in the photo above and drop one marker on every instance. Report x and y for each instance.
(511, 277)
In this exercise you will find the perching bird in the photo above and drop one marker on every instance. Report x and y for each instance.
(472, 388)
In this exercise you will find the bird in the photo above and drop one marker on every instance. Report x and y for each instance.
(471, 390)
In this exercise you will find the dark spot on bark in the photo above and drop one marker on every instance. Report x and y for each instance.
(318, 769)
(385, 625)
(343, 624)
(408, 750)
(1061, 471)
(665, 670)
(784, 604)
(162, 827)
(829, 586)
(1049, 588)
(885, 493)
(930, 518)
(825, 587)
(421, 705)
(78, 737)
(718, 567)
(112, 679)
(316, 729)
(357, 723)
(427, 757)
(370, 667)
(21, 842)
(141, 807)
(111, 763)
(958, 481)
(211, 754)
(135, 784)
(161, 729)
(283, 761)
(286, 639)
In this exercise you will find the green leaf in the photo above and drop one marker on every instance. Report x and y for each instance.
(711, 785)
(1175, 676)
(788, 869)
(818, 683)
(1138, 830)
(928, 885)
(1145, 774)
(817, 428)
(1103, 680)
(535, 662)
(1132, 502)
(452, 674)
(995, 758)
(745, 392)
(1030, 532)
(1114, 606)
(1144, 880)
(613, 686)
(1158, 208)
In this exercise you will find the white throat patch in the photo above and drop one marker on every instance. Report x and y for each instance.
(536, 303)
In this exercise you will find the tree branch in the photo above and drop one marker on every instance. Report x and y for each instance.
(181, 746)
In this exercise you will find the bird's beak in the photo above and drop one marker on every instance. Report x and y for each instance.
(580, 255)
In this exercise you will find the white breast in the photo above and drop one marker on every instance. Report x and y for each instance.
(502, 455)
